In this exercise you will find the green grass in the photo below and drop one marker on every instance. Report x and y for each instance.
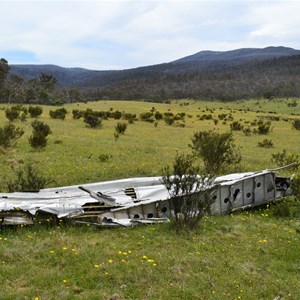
(72, 154)
(250, 255)
(247, 255)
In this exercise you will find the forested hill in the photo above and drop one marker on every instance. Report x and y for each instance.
(229, 75)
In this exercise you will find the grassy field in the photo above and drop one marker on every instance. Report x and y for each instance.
(248, 255)
(73, 151)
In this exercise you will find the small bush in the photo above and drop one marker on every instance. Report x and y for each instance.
(190, 198)
(265, 144)
(77, 114)
(35, 111)
(104, 157)
(120, 128)
(8, 134)
(129, 117)
(296, 124)
(236, 126)
(38, 138)
(59, 113)
(92, 120)
(169, 120)
(217, 151)
(247, 131)
(117, 115)
(158, 116)
(283, 158)
(147, 117)
(12, 114)
(28, 179)
(264, 128)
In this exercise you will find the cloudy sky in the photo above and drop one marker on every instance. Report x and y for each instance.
(123, 34)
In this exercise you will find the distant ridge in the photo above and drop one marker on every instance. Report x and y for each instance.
(228, 75)
(240, 54)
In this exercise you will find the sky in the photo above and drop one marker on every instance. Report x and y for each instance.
(122, 34)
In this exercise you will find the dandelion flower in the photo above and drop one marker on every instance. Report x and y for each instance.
(97, 266)
(110, 261)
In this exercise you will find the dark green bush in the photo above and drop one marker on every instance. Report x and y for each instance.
(236, 126)
(117, 115)
(217, 151)
(28, 179)
(92, 120)
(77, 114)
(263, 128)
(59, 113)
(120, 128)
(284, 158)
(296, 124)
(265, 144)
(38, 139)
(190, 198)
(12, 113)
(35, 111)
(8, 134)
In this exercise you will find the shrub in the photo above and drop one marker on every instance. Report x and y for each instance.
(35, 111)
(264, 128)
(190, 198)
(265, 144)
(158, 116)
(236, 126)
(283, 158)
(247, 131)
(28, 179)
(117, 115)
(92, 120)
(169, 120)
(217, 151)
(59, 113)
(41, 127)
(129, 117)
(147, 117)
(104, 157)
(120, 128)
(296, 124)
(12, 113)
(40, 132)
(8, 134)
(77, 114)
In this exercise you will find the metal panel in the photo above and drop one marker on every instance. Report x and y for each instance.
(225, 199)
(259, 190)
(237, 195)
(270, 188)
(248, 192)
(216, 206)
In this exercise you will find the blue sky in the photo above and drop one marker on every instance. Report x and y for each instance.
(124, 34)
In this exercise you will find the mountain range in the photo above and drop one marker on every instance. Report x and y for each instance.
(224, 75)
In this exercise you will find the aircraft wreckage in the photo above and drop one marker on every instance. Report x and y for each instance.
(133, 201)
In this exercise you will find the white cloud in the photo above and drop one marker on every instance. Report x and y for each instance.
(123, 33)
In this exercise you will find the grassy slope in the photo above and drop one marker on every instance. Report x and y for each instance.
(250, 255)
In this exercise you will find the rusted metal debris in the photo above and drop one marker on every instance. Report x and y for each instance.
(128, 202)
